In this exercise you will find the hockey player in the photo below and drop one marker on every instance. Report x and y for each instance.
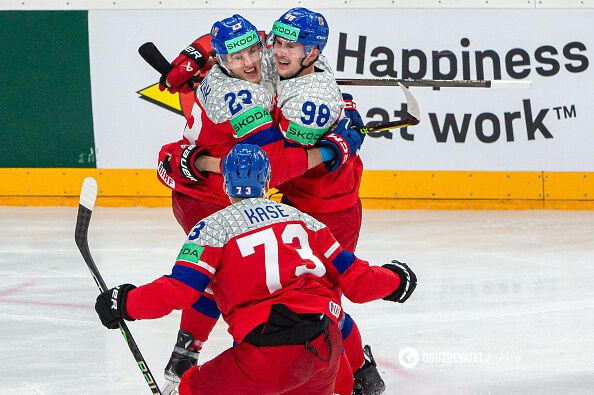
(277, 275)
(233, 104)
(307, 96)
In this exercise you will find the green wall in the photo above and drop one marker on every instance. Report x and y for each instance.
(46, 117)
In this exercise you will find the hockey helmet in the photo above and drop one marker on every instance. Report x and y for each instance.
(303, 26)
(246, 170)
(233, 34)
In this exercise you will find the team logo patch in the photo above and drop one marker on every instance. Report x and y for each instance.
(215, 30)
(321, 21)
(190, 252)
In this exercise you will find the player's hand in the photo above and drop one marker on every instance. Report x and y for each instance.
(344, 141)
(350, 111)
(185, 163)
(187, 65)
(111, 306)
(408, 281)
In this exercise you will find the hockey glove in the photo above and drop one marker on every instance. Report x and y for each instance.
(185, 162)
(408, 281)
(343, 141)
(186, 66)
(350, 111)
(111, 306)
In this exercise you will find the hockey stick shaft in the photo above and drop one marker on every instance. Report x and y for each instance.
(388, 125)
(435, 83)
(151, 54)
(85, 209)
(413, 116)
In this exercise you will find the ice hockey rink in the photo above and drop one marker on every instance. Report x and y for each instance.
(504, 305)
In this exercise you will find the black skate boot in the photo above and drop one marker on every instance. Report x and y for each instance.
(367, 379)
(182, 358)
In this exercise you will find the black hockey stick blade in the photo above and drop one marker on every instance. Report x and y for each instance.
(413, 116)
(151, 54)
(435, 83)
(88, 195)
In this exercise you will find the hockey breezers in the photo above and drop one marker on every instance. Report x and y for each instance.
(88, 195)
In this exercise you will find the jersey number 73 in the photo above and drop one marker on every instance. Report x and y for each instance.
(271, 244)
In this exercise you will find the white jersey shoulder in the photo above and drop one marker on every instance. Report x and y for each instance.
(225, 98)
(310, 103)
(269, 67)
(247, 215)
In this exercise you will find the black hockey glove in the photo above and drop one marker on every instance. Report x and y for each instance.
(408, 281)
(111, 306)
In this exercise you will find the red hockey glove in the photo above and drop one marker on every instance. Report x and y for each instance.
(343, 141)
(187, 65)
(184, 163)
(350, 110)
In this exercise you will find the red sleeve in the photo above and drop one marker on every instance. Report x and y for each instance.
(189, 277)
(286, 161)
(359, 281)
(200, 319)
(159, 298)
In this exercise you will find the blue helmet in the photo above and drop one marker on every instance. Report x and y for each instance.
(304, 26)
(233, 34)
(246, 170)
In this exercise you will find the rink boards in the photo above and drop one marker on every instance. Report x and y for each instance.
(405, 189)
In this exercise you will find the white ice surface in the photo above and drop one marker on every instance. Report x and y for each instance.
(505, 302)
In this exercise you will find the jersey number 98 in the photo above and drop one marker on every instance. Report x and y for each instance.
(309, 114)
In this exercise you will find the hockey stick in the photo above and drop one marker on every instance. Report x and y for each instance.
(413, 116)
(88, 194)
(437, 84)
(151, 54)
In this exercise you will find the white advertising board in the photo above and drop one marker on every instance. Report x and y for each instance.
(549, 127)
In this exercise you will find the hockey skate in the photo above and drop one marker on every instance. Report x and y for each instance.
(367, 379)
(182, 358)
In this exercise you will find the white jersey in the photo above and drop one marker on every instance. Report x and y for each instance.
(226, 98)
(309, 104)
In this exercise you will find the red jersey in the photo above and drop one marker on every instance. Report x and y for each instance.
(256, 253)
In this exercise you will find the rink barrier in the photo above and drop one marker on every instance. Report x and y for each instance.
(380, 189)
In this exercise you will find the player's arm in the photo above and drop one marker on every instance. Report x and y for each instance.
(361, 282)
(255, 126)
(189, 277)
